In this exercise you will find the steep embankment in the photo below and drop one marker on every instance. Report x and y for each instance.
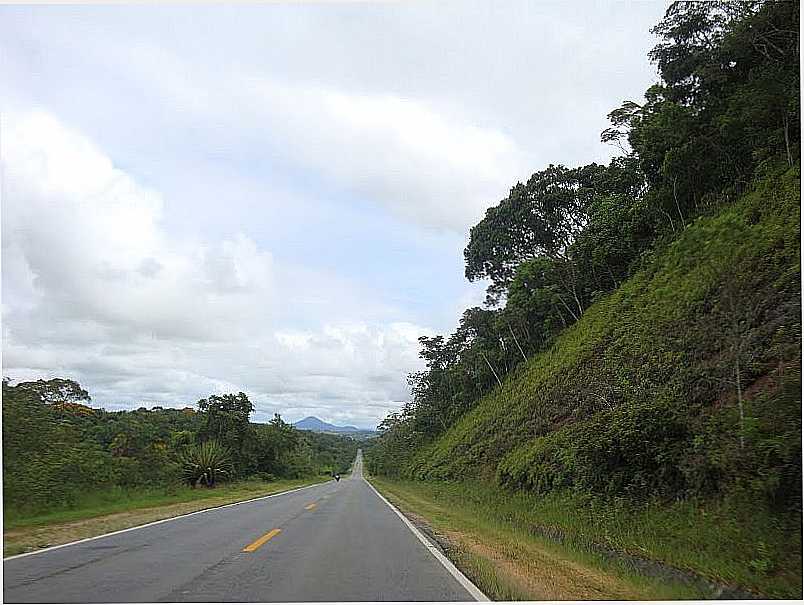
(640, 398)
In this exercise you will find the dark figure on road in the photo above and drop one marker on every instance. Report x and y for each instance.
(337, 477)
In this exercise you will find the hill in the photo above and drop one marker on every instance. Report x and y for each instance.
(316, 425)
(640, 396)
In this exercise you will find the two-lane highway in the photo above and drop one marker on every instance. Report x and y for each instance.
(337, 541)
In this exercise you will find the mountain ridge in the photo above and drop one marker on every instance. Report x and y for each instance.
(312, 423)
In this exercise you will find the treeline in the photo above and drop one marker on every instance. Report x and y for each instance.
(56, 447)
(726, 112)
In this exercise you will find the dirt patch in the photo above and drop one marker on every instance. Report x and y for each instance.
(541, 575)
(535, 573)
(766, 384)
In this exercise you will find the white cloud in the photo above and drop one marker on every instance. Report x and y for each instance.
(288, 186)
(426, 162)
(95, 288)
(428, 167)
(86, 237)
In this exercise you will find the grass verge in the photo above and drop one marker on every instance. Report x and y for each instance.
(499, 542)
(103, 512)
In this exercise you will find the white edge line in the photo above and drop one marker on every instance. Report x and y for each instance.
(473, 590)
(136, 527)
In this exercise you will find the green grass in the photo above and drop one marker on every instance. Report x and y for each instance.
(119, 500)
(731, 543)
(535, 568)
(661, 339)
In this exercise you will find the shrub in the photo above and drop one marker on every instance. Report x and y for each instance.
(205, 463)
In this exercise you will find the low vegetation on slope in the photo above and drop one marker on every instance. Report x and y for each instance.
(640, 396)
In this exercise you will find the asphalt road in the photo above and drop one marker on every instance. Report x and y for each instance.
(329, 542)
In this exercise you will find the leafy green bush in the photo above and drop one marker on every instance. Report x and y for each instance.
(633, 450)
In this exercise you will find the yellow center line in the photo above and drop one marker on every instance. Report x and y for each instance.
(261, 540)
(310, 506)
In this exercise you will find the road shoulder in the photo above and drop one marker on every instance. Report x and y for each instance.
(27, 539)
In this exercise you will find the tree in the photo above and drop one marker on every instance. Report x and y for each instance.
(540, 218)
(56, 390)
(728, 101)
(227, 421)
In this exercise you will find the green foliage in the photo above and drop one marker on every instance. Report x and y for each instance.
(639, 397)
(331, 453)
(56, 449)
(629, 450)
(44, 459)
(725, 114)
(56, 390)
(227, 420)
(540, 218)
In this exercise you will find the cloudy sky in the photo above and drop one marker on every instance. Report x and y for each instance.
(275, 198)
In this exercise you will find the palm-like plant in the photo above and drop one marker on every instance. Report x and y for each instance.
(205, 463)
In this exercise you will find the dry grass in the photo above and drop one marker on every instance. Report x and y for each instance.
(509, 566)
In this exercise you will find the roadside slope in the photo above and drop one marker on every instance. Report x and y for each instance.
(671, 409)
(659, 354)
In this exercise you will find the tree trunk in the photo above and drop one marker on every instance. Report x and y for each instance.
(504, 350)
(510, 329)
(490, 367)
(566, 306)
(787, 139)
(670, 218)
(675, 198)
(740, 403)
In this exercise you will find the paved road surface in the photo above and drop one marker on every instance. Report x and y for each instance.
(335, 542)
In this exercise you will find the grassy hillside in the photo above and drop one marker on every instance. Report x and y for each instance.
(640, 397)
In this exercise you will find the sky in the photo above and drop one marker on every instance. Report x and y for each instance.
(275, 198)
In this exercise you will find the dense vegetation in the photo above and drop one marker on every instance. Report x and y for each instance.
(56, 448)
(641, 337)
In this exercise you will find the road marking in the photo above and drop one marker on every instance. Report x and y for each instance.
(136, 527)
(456, 573)
(310, 506)
(261, 540)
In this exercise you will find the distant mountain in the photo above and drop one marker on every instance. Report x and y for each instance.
(311, 423)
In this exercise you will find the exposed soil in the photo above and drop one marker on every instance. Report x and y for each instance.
(544, 576)
(539, 574)
(536, 573)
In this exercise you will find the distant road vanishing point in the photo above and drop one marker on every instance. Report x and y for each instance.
(328, 542)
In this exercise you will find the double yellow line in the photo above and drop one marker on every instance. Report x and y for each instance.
(264, 538)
